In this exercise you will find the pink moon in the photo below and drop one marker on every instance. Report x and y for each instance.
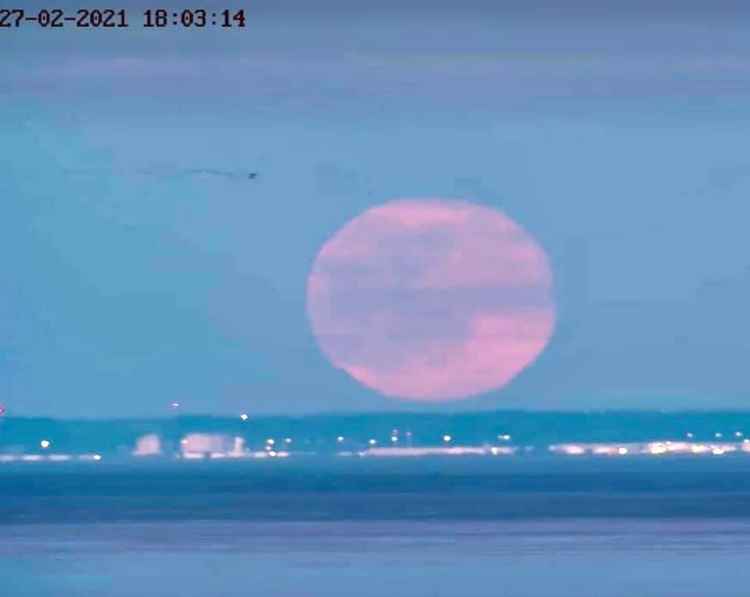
(431, 299)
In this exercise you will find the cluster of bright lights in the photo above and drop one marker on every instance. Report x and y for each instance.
(196, 446)
(216, 447)
(50, 457)
(656, 448)
(400, 452)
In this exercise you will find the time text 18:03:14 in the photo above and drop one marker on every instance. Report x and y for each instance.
(87, 18)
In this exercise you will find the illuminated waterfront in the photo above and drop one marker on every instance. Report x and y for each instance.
(506, 435)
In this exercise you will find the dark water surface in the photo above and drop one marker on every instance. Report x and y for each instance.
(329, 489)
(672, 528)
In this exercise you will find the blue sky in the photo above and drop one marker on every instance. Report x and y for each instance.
(132, 279)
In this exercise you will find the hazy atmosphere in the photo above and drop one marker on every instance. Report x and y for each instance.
(142, 264)
(449, 294)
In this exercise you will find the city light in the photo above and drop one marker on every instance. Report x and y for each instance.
(217, 446)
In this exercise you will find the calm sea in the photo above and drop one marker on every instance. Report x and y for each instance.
(676, 527)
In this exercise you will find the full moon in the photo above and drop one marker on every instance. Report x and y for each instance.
(431, 299)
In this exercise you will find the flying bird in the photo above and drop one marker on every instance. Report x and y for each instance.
(169, 172)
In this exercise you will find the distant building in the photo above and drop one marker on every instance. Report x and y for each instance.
(212, 445)
(148, 445)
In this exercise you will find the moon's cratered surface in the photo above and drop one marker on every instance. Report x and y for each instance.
(431, 299)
